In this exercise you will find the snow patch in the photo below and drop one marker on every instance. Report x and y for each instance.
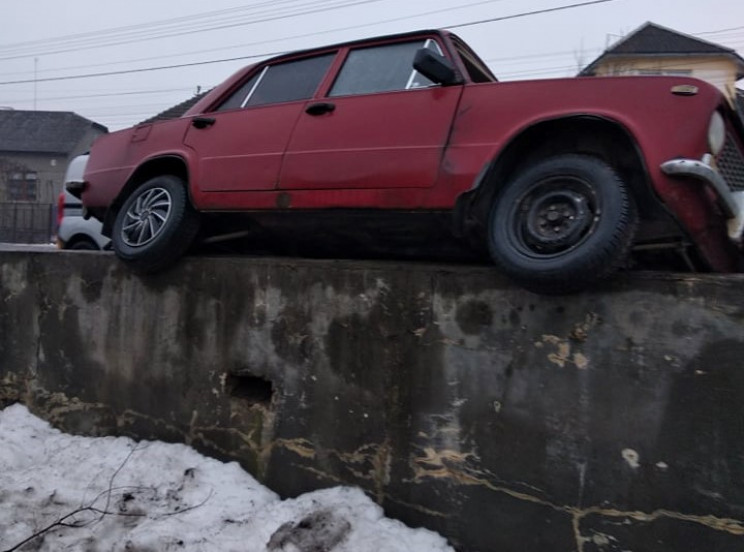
(116, 494)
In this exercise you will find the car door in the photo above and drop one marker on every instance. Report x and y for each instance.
(381, 125)
(239, 146)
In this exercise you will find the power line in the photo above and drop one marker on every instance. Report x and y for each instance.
(525, 14)
(720, 31)
(117, 30)
(110, 94)
(280, 39)
(116, 41)
(242, 58)
(142, 70)
(516, 75)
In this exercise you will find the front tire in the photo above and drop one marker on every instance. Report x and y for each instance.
(155, 225)
(562, 224)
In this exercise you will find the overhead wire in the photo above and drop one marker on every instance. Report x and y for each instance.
(526, 14)
(109, 31)
(110, 94)
(720, 31)
(204, 21)
(313, 7)
(269, 54)
(286, 38)
(503, 75)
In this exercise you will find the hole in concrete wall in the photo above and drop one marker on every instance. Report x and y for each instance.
(251, 389)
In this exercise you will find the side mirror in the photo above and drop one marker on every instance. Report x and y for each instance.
(435, 67)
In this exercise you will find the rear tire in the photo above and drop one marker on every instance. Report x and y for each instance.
(84, 244)
(155, 225)
(562, 224)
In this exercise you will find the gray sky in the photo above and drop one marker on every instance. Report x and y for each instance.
(48, 39)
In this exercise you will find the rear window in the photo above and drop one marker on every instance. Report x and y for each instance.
(283, 82)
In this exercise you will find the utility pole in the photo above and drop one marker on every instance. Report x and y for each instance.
(36, 67)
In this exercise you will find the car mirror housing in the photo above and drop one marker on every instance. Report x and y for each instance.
(434, 67)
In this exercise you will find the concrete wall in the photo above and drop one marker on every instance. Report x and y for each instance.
(605, 421)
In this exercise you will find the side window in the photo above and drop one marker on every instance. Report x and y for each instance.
(235, 101)
(382, 69)
(284, 82)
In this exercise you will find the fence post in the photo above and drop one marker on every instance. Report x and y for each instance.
(27, 222)
(15, 223)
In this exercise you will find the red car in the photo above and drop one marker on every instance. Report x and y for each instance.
(561, 181)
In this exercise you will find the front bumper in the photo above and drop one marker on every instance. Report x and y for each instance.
(731, 202)
(74, 177)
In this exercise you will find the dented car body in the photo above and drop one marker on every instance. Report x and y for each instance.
(561, 181)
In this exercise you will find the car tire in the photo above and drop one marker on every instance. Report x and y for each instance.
(562, 224)
(155, 225)
(84, 244)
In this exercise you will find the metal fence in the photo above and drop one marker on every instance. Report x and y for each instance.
(27, 222)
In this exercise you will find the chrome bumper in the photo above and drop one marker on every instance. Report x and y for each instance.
(731, 202)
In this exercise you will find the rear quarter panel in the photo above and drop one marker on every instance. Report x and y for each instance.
(490, 116)
(663, 125)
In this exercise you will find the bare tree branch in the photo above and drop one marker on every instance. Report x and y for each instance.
(100, 513)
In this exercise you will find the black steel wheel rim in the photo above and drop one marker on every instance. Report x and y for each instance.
(554, 216)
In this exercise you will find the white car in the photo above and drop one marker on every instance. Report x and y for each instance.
(73, 230)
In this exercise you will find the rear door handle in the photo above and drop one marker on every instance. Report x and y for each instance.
(203, 122)
(320, 108)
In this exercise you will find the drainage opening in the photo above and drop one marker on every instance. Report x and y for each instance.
(251, 389)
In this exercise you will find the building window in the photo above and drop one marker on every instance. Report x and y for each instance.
(665, 72)
(22, 186)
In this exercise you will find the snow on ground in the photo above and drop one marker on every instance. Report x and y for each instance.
(115, 494)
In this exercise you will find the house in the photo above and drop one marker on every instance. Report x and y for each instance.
(655, 50)
(35, 148)
(177, 110)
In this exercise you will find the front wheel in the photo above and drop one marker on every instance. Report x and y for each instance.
(155, 225)
(562, 224)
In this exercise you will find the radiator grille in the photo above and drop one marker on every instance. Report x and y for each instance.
(730, 163)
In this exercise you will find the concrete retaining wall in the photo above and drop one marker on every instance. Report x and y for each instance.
(604, 421)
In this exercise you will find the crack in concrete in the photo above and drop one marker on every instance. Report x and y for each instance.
(378, 456)
(301, 447)
(727, 525)
(320, 473)
(433, 464)
(381, 464)
(127, 416)
(416, 507)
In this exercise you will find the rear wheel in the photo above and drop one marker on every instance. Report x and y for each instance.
(155, 225)
(562, 224)
(84, 244)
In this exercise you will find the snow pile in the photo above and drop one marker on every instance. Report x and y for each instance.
(114, 494)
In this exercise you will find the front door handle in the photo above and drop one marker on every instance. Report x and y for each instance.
(203, 122)
(320, 108)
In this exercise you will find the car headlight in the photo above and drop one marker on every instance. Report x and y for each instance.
(716, 133)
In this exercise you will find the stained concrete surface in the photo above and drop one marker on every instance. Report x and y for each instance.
(604, 421)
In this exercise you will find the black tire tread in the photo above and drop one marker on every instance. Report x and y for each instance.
(602, 263)
(163, 253)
